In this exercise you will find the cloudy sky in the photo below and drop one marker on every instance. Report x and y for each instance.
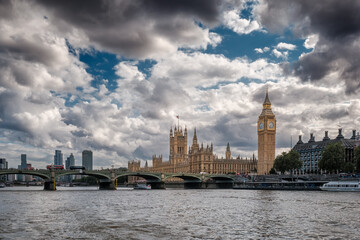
(111, 76)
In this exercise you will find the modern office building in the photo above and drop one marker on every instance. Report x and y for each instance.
(3, 166)
(58, 158)
(23, 161)
(70, 161)
(22, 166)
(87, 159)
(310, 152)
(3, 163)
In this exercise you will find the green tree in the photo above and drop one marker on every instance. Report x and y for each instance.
(332, 157)
(287, 161)
(348, 167)
(357, 158)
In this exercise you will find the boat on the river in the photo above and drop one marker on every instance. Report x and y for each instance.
(142, 186)
(343, 186)
(2, 185)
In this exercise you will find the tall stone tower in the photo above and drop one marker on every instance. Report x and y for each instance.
(178, 145)
(228, 152)
(266, 128)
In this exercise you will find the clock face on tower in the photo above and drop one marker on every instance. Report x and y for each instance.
(271, 125)
(261, 126)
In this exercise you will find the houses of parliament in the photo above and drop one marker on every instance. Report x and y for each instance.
(198, 158)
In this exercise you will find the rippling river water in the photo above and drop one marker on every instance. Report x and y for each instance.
(86, 213)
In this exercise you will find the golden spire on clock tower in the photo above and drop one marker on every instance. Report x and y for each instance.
(266, 137)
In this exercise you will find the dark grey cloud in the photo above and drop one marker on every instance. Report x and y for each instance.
(334, 114)
(135, 28)
(337, 25)
(237, 133)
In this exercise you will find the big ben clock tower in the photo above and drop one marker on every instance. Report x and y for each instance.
(266, 128)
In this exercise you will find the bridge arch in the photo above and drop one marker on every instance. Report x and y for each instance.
(92, 174)
(147, 176)
(185, 177)
(226, 178)
(23, 172)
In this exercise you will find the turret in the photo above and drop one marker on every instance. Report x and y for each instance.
(312, 138)
(340, 136)
(300, 141)
(326, 138)
(353, 135)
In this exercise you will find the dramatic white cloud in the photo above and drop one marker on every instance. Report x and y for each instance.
(239, 25)
(262, 50)
(280, 54)
(286, 46)
(311, 41)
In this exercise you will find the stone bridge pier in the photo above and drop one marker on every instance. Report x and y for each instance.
(108, 184)
(50, 185)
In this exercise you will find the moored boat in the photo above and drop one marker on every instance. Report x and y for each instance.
(142, 186)
(343, 186)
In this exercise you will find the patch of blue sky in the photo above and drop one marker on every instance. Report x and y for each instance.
(101, 67)
(246, 11)
(70, 102)
(235, 45)
(67, 97)
(145, 66)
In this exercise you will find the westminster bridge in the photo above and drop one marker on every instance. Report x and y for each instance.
(107, 179)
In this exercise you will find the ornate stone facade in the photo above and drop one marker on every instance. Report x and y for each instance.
(198, 159)
(266, 138)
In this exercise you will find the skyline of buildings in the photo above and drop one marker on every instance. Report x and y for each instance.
(58, 158)
(87, 159)
(70, 161)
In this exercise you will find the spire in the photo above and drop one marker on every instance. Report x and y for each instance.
(267, 100)
(266, 105)
(228, 153)
(228, 147)
(195, 137)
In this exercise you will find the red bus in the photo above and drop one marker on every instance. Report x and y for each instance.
(58, 167)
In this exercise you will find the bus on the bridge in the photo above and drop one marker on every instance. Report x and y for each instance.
(57, 167)
(77, 167)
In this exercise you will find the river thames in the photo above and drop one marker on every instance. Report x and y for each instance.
(86, 213)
